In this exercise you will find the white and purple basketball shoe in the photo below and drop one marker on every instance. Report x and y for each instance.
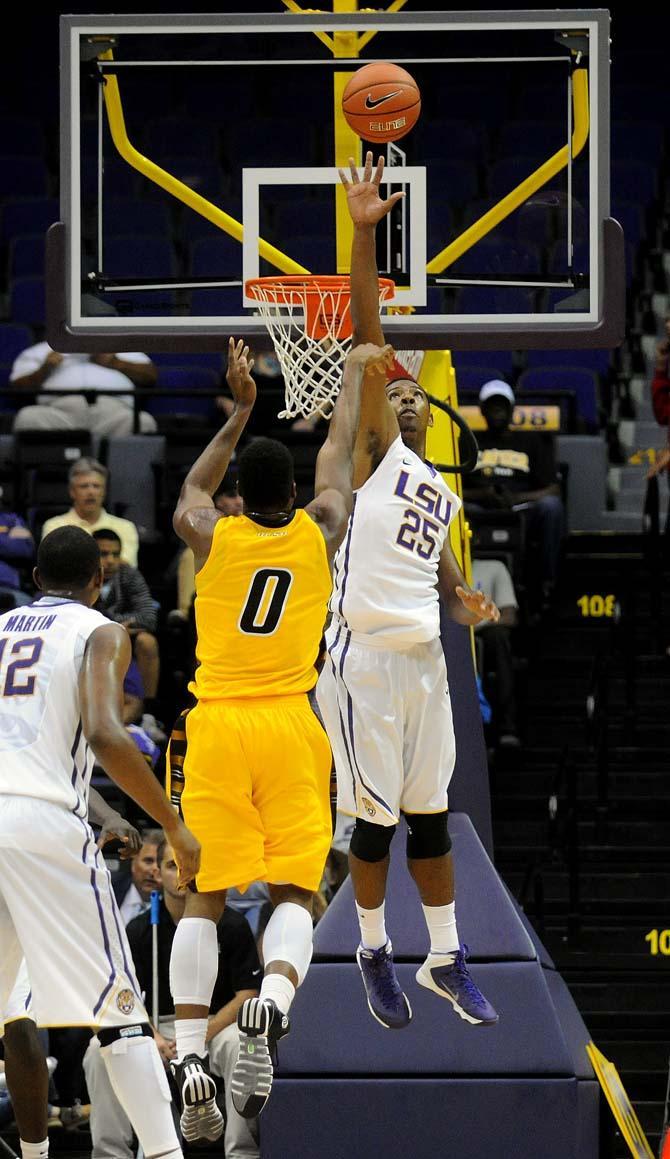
(449, 977)
(386, 1000)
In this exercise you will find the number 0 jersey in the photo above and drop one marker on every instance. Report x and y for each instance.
(260, 608)
(385, 572)
(43, 752)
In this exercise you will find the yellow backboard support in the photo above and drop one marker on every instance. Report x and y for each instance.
(620, 1104)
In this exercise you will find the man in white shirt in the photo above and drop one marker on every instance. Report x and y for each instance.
(133, 889)
(39, 367)
(88, 484)
(491, 575)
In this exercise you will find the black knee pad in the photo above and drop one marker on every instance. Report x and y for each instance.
(371, 842)
(427, 835)
(136, 1030)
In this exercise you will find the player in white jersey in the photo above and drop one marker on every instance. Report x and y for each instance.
(61, 693)
(26, 1071)
(383, 691)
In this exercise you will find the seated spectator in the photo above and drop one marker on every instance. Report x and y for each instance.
(88, 484)
(491, 576)
(238, 978)
(660, 399)
(16, 547)
(134, 883)
(228, 502)
(125, 598)
(516, 471)
(41, 368)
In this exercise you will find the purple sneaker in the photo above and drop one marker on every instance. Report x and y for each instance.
(452, 980)
(386, 1001)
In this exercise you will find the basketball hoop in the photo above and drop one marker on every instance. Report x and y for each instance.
(309, 321)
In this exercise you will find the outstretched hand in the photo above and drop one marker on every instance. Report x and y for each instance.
(478, 605)
(238, 375)
(373, 360)
(365, 204)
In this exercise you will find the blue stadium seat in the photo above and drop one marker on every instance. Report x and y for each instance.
(26, 256)
(495, 300)
(27, 215)
(474, 377)
(634, 181)
(217, 256)
(182, 380)
(23, 177)
(21, 136)
(592, 359)
(26, 297)
(315, 251)
(472, 103)
(546, 101)
(582, 381)
(226, 301)
(496, 256)
(630, 216)
(505, 175)
(637, 141)
(128, 215)
(120, 179)
(532, 138)
(302, 215)
(286, 141)
(210, 358)
(14, 339)
(180, 136)
(139, 257)
(503, 359)
(438, 138)
(452, 181)
(441, 227)
(633, 102)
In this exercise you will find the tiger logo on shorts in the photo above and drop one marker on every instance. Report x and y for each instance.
(369, 807)
(125, 1000)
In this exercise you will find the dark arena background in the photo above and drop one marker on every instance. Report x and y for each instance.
(561, 798)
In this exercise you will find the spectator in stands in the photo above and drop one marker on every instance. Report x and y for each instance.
(660, 398)
(516, 471)
(125, 598)
(134, 882)
(41, 368)
(228, 502)
(88, 484)
(494, 648)
(238, 978)
(16, 547)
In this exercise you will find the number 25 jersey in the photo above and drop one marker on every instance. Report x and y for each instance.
(260, 607)
(385, 571)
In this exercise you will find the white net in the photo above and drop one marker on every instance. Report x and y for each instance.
(310, 326)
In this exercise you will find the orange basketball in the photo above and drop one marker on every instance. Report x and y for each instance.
(381, 102)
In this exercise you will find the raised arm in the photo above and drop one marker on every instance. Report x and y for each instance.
(364, 368)
(195, 515)
(103, 668)
(378, 424)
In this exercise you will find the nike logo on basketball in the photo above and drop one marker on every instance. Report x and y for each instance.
(373, 104)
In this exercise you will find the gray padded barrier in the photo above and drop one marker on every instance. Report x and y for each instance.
(586, 456)
(131, 476)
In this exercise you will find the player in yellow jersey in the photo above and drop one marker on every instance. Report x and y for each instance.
(256, 768)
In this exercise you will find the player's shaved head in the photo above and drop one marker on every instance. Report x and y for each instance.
(265, 479)
(67, 559)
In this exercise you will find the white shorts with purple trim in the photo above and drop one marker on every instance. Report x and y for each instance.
(58, 911)
(388, 717)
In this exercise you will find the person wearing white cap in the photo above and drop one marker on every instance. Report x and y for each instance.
(516, 471)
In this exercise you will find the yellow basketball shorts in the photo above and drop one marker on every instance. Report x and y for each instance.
(254, 790)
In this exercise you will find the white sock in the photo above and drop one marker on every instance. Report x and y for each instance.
(441, 922)
(194, 965)
(138, 1080)
(288, 938)
(373, 928)
(190, 1035)
(280, 989)
(35, 1150)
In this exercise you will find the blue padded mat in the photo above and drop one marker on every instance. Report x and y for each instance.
(488, 919)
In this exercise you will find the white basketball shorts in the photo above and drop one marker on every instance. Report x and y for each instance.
(388, 716)
(57, 910)
(18, 1003)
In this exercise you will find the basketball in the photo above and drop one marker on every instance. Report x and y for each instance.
(381, 102)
